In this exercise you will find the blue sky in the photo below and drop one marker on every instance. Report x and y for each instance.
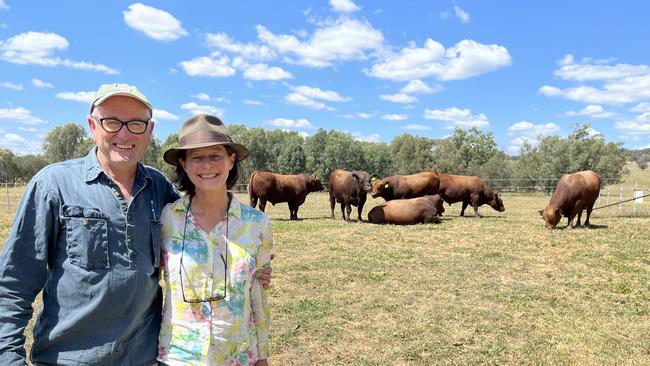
(375, 69)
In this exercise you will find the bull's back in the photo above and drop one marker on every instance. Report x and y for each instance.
(263, 185)
(408, 211)
(455, 188)
(339, 180)
(592, 186)
(417, 185)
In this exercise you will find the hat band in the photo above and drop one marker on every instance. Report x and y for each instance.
(203, 136)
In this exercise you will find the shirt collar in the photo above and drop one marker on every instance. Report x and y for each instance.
(233, 211)
(94, 168)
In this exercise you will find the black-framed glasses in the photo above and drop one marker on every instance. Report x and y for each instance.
(114, 125)
(198, 293)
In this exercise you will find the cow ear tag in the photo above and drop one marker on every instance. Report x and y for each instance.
(386, 185)
(373, 179)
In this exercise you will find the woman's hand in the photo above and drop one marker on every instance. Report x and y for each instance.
(264, 277)
(263, 362)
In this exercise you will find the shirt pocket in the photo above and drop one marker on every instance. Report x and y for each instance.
(87, 237)
(156, 241)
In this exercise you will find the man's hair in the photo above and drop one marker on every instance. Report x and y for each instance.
(183, 182)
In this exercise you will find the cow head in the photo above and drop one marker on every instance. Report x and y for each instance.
(363, 180)
(314, 184)
(496, 203)
(551, 216)
(380, 187)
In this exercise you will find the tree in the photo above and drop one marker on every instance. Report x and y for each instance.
(465, 152)
(8, 169)
(62, 141)
(29, 165)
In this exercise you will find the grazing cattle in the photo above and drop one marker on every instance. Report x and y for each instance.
(469, 190)
(276, 188)
(406, 186)
(573, 194)
(419, 210)
(349, 188)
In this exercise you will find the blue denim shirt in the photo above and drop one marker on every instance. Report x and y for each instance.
(95, 256)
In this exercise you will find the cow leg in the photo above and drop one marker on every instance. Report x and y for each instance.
(262, 204)
(348, 211)
(343, 211)
(578, 219)
(475, 207)
(570, 222)
(359, 209)
(293, 211)
(462, 210)
(589, 209)
(332, 205)
(254, 201)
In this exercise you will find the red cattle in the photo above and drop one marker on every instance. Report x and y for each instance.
(573, 194)
(349, 188)
(276, 188)
(468, 190)
(406, 186)
(419, 210)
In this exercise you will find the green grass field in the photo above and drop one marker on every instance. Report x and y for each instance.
(496, 290)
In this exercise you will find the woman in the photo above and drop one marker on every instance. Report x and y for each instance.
(215, 312)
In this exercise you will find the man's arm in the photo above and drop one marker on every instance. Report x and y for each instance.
(23, 268)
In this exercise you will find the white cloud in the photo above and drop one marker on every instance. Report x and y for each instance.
(30, 129)
(342, 40)
(42, 84)
(398, 98)
(20, 145)
(264, 72)
(12, 86)
(524, 131)
(588, 71)
(465, 59)
(203, 109)
(344, 6)
(38, 48)
(82, 96)
(206, 66)
(417, 127)
(248, 51)
(155, 23)
(641, 107)
(20, 115)
(299, 99)
(374, 138)
(419, 87)
(317, 93)
(630, 89)
(632, 129)
(361, 115)
(462, 118)
(301, 123)
(252, 102)
(394, 117)
(461, 14)
(201, 96)
(4, 6)
(592, 110)
(161, 114)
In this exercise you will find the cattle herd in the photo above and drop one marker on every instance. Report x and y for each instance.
(417, 198)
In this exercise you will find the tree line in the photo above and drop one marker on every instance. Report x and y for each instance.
(465, 152)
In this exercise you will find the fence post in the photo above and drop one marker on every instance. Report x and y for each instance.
(620, 199)
(634, 201)
(609, 191)
(7, 191)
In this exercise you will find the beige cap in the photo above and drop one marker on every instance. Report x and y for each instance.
(110, 90)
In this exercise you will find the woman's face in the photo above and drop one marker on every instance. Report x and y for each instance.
(208, 167)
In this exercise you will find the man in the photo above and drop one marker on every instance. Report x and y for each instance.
(87, 233)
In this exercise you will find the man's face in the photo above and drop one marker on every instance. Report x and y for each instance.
(120, 150)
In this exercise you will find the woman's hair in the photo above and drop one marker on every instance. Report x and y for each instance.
(183, 182)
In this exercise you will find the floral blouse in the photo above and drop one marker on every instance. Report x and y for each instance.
(229, 331)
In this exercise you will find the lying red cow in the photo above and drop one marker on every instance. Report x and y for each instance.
(469, 190)
(573, 194)
(276, 188)
(406, 186)
(420, 210)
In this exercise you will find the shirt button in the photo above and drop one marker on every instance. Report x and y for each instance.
(116, 193)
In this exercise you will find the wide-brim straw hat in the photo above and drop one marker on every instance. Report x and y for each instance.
(203, 130)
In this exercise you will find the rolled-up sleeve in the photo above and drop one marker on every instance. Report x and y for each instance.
(259, 296)
(24, 267)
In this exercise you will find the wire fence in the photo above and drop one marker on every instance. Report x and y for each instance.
(609, 194)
